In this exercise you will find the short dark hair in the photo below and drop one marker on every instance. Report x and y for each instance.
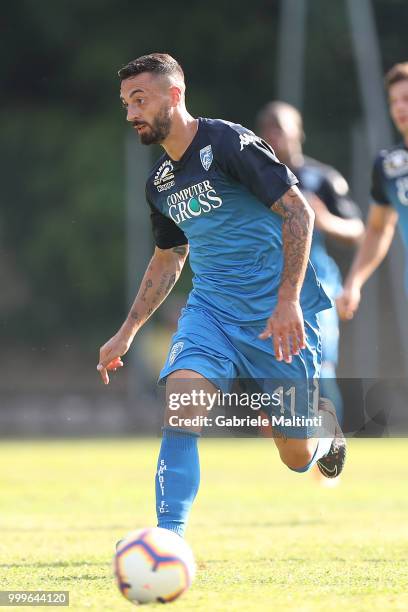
(399, 72)
(156, 63)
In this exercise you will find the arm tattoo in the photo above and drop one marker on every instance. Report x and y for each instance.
(160, 295)
(297, 230)
(170, 284)
(134, 315)
(180, 250)
(160, 280)
(163, 279)
(147, 286)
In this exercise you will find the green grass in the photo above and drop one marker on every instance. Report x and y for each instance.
(264, 538)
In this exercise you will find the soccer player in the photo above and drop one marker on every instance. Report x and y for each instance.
(336, 217)
(389, 190)
(219, 191)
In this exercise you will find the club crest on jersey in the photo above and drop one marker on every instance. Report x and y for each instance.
(164, 177)
(206, 156)
(396, 163)
(175, 350)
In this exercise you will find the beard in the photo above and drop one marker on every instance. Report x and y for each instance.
(158, 130)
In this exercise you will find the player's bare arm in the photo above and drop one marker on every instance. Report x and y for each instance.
(374, 247)
(347, 231)
(160, 277)
(286, 325)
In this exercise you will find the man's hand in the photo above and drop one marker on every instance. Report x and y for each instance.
(286, 327)
(348, 302)
(110, 354)
(161, 274)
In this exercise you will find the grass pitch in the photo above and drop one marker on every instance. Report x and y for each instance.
(264, 538)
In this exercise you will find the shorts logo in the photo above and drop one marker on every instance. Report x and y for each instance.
(164, 177)
(175, 350)
(206, 156)
(246, 139)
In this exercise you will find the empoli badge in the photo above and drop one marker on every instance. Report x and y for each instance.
(206, 156)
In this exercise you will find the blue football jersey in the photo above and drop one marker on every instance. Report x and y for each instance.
(332, 189)
(217, 198)
(390, 188)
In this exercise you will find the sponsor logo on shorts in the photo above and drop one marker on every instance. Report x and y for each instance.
(175, 350)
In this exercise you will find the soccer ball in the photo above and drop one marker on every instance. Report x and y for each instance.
(153, 564)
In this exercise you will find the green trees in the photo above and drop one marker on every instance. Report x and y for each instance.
(62, 137)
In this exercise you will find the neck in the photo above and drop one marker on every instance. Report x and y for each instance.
(183, 129)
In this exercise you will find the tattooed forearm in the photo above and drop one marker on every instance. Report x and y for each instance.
(161, 275)
(162, 291)
(297, 227)
(163, 280)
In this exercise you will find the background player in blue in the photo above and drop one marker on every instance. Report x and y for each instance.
(336, 217)
(220, 191)
(389, 191)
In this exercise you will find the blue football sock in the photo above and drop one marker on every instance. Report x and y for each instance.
(177, 479)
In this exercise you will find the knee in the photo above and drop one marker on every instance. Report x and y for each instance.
(299, 456)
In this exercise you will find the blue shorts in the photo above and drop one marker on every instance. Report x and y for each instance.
(222, 353)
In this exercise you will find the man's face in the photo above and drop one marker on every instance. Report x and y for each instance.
(281, 131)
(398, 101)
(148, 103)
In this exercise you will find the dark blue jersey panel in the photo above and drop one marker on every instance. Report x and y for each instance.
(252, 162)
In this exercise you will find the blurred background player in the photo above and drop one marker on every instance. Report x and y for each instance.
(389, 190)
(336, 217)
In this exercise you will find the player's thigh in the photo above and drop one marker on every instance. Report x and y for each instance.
(188, 396)
(293, 388)
(200, 345)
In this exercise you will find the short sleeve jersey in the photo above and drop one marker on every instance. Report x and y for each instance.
(332, 189)
(217, 198)
(389, 187)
